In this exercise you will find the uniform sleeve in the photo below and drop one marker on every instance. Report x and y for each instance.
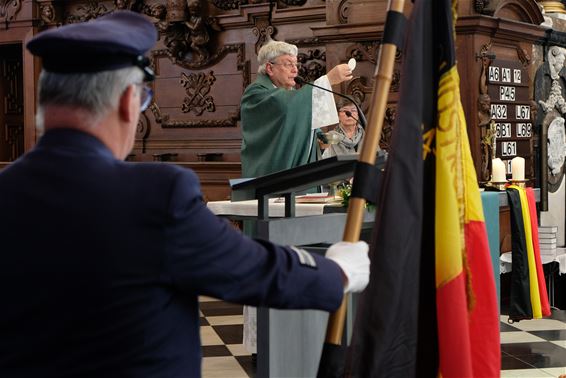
(207, 256)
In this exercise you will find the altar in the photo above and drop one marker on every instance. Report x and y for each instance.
(289, 342)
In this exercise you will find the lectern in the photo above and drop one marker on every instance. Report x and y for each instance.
(289, 342)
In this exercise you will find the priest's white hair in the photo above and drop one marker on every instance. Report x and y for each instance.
(272, 50)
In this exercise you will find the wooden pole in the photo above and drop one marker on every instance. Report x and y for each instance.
(356, 207)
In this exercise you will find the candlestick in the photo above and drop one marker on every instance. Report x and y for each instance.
(518, 168)
(498, 170)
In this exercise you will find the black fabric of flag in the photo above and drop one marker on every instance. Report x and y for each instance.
(386, 332)
(520, 299)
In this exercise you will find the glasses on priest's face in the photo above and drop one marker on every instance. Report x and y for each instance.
(146, 94)
(288, 65)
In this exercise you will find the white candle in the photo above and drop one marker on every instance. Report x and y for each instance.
(518, 168)
(498, 170)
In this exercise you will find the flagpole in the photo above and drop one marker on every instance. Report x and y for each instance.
(356, 207)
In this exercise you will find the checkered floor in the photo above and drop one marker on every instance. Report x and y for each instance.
(530, 348)
(221, 337)
(534, 348)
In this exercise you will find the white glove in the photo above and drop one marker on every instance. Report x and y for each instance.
(353, 259)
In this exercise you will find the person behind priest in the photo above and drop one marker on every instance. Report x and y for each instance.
(349, 128)
(277, 121)
(102, 260)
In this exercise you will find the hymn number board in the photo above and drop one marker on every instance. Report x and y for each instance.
(508, 88)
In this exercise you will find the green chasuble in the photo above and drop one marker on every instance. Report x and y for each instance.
(276, 128)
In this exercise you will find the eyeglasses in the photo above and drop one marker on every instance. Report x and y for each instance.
(146, 94)
(348, 110)
(287, 65)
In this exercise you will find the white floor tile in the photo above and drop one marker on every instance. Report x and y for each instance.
(524, 373)
(209, 337)
(222, 367)
(518, 337)
(555, 372)
(203, 298)
(238, 349)
(225, 320)
(539, 324)
(561, 343)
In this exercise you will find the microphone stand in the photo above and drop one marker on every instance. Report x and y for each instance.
(299, 80)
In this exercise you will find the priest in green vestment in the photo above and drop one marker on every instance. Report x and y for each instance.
(278, 122)
(278, 125)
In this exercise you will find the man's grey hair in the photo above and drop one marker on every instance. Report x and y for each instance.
(94, 93)
(272, 50)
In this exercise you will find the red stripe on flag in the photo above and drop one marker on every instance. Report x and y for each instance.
(453, 335)
(545, 307)
(484, 319)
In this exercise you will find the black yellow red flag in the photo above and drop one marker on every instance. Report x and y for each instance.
(431, 306)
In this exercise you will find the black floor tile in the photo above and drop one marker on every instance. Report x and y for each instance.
(220, 309)
(512, 363)
(203, 321)
(230, 334)
(537, 354)
(215, 351)
(247, 364)
(551, 335)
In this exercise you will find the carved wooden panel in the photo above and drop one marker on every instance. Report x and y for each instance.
(8, 11)
(207, 50)
(12, 100)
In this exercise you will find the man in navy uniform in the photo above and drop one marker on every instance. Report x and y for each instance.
(102, 261)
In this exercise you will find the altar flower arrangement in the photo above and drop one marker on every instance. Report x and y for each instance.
(345, 191)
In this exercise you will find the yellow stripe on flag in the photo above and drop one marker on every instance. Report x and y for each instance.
(449, 228)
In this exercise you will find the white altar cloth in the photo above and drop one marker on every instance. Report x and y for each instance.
(276, 208)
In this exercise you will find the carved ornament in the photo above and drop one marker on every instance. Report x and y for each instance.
(14, 100)
(182, 24)
(556, 146)
(358, 90)
(88, 11)
(304, 41)
(197, 87)
(218, 55)
(518, 10)
(395, 80)
(388, 122)
(555, 99)
(480, 5)
(344, 10)
(228, 4)
(294, 2)
(186, 30)
(143, 130)
(47, 13)
(167, 123)
(364, 51)
(523, 56)
(487, 126)
(231, 121)
(264, 31)
(14, 138)
(8, 10)
(313, 64)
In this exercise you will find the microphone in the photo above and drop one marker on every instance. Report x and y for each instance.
(299, 80)
(349, 114)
